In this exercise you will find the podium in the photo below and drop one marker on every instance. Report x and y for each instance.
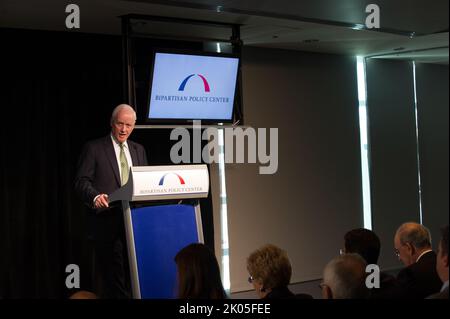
(161, 216)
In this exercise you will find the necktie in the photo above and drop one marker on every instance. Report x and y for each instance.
(123, 166)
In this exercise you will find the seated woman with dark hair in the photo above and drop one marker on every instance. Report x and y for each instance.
(270, 273)
(198, 273)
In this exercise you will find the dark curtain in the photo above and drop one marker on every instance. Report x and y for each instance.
(58, 92)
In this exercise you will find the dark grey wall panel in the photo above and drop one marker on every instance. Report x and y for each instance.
(393, 151)
(432, 107)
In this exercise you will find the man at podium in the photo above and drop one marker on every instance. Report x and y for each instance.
(103, 167)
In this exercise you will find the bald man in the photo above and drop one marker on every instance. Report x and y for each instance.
(103, 168)
(419, 278)
(344, 278)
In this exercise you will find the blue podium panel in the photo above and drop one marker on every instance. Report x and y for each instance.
(159, 233)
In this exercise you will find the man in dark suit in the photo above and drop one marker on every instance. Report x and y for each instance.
(367, 244)
(103, 167)
(419, 279)
(442, 265)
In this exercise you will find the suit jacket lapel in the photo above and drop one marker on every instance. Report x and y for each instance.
(111, 155)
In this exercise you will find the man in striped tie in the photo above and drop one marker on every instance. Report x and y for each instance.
(103, 167)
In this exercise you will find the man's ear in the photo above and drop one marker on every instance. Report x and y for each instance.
(411, 248)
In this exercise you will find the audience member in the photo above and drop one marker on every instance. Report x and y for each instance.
(363, 242)
(366, 243)
(419, 279)
(270, 273)
(198, 273)
(442, 265)
(344, 278)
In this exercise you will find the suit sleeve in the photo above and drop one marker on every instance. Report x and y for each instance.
(405, 282)
(145, 157)
(142, 156)
(85, 175)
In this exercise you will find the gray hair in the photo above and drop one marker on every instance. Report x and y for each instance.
(415, 234)
(119, 108)
(345, 275)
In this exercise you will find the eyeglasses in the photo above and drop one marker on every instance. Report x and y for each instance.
(250, 279)
(406, 244)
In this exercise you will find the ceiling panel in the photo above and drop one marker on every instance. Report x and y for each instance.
(313, 25)
(420, 16)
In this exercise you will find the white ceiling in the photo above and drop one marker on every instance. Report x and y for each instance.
(409, 29)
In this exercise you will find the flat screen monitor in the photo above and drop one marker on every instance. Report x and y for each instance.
(188, 86)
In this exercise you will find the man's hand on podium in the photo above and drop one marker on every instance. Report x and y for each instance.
(101, 201)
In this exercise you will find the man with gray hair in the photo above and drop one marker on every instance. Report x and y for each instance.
(344, 277)
(412, 244)
(104, 167)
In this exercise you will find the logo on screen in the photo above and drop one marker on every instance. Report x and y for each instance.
(161, 181)
(185, 81)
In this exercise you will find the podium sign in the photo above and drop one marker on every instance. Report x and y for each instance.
(149, 183)
(191, 181)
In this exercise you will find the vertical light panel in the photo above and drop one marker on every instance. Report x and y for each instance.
(362, 108)
(223, 215)
(417, 139)
(223, 210)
